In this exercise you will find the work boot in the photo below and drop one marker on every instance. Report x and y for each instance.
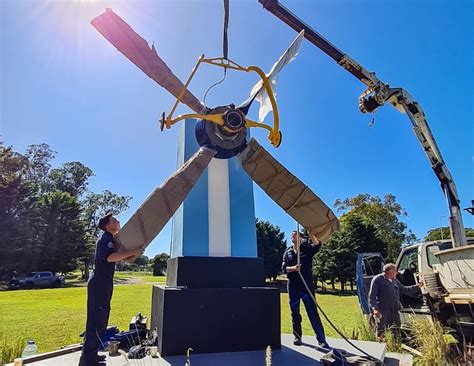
(101, 359)
(297, 341)
(324, 345)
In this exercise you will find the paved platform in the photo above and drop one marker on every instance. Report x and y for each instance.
(306, 355)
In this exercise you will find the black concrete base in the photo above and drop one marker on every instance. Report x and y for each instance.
(215, 272)
(221, 306)
(210, 320)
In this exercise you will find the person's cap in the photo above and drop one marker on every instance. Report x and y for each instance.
(104, 221)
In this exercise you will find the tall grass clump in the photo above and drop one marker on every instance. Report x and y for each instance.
(393, 340)
(362, 330)
(431, 339)
(10, 348)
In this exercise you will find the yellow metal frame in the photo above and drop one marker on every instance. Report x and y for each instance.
(218, 118)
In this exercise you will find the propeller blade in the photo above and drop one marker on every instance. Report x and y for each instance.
(258, 91)
(288, 191)
(137, 50)
(162, 203)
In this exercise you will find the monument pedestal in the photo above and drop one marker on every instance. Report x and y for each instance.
(215, 304)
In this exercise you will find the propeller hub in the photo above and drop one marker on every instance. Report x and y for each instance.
(228, 140)
(234, 120)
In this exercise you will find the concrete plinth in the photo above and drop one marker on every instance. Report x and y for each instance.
(215, 319)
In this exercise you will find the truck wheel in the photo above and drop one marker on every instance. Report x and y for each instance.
(57, 284)
(29, 285)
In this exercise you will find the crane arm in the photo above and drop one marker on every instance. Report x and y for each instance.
(376, 95)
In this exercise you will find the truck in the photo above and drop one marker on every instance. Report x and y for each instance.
(446, 266)
(448, 293)
(36, 280)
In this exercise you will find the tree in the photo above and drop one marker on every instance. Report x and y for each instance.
(64, 233)
(325, 262)
(159, 263)
(39, 157)
(97, 205)
(18, 210)
(441, 233)
(72, 177)
(270, 246)
(336, 259)
(385, 215)
(47, 219)
(142, 261)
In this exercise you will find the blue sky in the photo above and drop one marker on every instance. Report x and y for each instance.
(63, 84)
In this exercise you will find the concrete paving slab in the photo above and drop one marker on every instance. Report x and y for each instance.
(305, 355)
(398, 359)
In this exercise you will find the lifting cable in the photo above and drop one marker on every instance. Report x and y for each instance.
(313, 297)
(225, 49)
(226, 27)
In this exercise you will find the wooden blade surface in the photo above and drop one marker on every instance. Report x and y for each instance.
(137, 50)
(290, 193)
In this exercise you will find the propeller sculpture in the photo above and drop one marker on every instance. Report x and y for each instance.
(222, 133)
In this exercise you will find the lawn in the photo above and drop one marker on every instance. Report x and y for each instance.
(56, 317)
(74, 279)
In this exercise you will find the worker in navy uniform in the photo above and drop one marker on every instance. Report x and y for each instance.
(99, 289)
(296, 288)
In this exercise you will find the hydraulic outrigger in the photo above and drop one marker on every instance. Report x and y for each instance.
(377, 94)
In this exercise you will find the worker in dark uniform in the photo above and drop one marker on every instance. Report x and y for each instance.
(384, 299)
(296, 288)
(99, 289)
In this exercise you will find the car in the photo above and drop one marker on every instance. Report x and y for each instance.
(36, 280)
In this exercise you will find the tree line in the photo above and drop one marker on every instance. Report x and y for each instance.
(368, 224)
(48, 215)
(48, 218)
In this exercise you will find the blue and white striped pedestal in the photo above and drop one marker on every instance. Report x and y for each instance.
(217, 219)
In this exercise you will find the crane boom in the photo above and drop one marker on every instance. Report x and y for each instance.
(376, 95)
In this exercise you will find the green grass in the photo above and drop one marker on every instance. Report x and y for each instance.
(343, 311)
(55, 317)
(74, 279)
(140, 277)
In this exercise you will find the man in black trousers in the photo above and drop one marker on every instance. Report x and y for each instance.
(100, 287)
(296, 288)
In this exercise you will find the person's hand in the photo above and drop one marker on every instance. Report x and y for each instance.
(377, 314)
(295, 268)
(421, 283)
(134, 253)
(138, 251)
(314, 239)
